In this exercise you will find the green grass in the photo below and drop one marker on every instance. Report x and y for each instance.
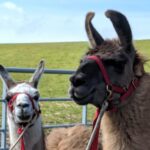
(56, 56)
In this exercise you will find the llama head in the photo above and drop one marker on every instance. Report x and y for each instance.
(118, 57)
(22, 97)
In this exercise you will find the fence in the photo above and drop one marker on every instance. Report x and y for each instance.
(3, 129)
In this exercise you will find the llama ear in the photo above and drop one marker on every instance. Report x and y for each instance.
(6, 77)
(94, 37)
(37, 74)
(122, 28)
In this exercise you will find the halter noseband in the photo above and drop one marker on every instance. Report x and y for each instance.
(111, 89)
(12, 100)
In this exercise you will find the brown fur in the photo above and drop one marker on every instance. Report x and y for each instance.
(74, 138)
(106, 48)
(129, 128)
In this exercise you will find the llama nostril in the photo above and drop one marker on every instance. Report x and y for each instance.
(79, 81)
(23, 105)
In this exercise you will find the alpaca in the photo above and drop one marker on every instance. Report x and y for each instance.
(22, 108)
(128, 127)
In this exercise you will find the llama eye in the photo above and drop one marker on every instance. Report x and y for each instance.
(117, 64)
(8, 97)
(119, 67)
(36, 97)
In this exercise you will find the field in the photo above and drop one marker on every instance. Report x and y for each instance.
(56, 56)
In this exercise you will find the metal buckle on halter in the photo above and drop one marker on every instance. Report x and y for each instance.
(125, 88)
(109, 90)
(133, 83)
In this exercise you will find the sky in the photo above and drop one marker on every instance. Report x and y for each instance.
(27, 21)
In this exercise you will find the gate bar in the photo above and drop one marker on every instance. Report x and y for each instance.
(4, 118)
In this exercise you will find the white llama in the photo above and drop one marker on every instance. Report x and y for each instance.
(23, 109)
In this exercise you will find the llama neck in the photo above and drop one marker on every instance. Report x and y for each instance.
(33, 137)
(123, 129)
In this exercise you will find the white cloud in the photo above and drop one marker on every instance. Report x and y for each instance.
(19, 23)
(12, 6)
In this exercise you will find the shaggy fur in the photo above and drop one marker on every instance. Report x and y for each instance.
(68, 139)
(128, 128)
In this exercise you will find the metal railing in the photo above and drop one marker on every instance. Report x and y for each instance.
(3, 129)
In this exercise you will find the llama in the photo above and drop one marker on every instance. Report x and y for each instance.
(23, 108)
(128, 127)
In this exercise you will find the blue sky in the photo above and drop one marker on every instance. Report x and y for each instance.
(23, 21)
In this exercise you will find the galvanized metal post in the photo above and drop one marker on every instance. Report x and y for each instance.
(4, 114)
(84, 114)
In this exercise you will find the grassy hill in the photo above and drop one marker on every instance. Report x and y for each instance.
(56, 56)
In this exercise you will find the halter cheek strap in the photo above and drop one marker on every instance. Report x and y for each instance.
(11, 101)
(108, 83)
(111, 89)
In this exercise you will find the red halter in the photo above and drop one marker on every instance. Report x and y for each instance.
(110, 89)
(11, 101)
(11, 108)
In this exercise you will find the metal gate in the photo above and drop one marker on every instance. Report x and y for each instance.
(3, 128)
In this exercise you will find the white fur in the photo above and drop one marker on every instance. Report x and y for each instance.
(23, 87)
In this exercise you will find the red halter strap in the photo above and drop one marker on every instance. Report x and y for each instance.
(11, 101)
(94, 145)
(113, 88)
(22, 146)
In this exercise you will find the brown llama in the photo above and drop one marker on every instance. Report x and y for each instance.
(127, 128)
